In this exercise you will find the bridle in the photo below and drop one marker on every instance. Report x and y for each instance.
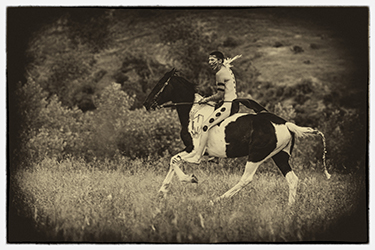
(154, 103)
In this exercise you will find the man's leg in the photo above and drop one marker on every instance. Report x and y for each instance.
(218, 116)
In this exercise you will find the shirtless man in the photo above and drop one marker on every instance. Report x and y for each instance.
(226, 91)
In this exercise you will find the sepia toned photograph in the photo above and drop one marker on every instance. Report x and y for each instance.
(187, 125)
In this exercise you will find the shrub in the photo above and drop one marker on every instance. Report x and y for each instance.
(189, 44)
(150, 133)
(231, 42)
(346, 139)
(56, 131)
(60, 66)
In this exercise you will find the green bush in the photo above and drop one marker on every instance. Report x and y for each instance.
(150, 133)
(112, 130)
(346, 139)
(59, 134)
(55, 131)
(60, 65)
(189, 45)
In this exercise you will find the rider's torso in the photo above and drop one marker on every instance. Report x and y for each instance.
(230, 86)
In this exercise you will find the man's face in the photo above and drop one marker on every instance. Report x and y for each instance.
(213, 61)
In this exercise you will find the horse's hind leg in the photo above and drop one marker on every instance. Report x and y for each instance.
(282, 161)
(247, 177)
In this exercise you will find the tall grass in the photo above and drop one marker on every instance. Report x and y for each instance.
(73, 201)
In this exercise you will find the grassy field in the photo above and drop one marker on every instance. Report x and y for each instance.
(73, 201)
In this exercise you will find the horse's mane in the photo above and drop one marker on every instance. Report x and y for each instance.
(186, 89)
(185, 83)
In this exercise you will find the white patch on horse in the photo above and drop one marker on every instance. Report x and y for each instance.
(198, 114)
(283, 139)
(216, 144)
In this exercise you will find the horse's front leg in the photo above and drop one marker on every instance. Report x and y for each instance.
(174, 167)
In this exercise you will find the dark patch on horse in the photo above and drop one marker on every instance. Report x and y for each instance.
(292, 143)
(186, 139)
(251, 135)
(184, 92)
(237, 136)
(282, 162)
(248, 103)
(271, 117)
(263, 140)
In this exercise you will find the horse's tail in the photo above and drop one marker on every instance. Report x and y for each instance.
(306, 131)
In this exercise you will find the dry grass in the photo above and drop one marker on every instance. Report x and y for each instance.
(73, 201)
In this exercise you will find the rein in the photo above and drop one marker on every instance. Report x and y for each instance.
(181, 104)
(184, 103)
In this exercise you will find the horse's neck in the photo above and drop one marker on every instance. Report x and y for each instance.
(184, 111)
(188, 112)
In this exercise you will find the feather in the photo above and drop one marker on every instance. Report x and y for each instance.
(228, 61)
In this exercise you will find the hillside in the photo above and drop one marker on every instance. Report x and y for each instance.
(282, 46)
(266, 38)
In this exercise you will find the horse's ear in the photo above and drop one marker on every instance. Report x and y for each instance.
(173, 71)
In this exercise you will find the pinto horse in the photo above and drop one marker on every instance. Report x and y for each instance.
(258, 136)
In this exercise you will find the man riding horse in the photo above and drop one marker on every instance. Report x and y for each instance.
(226, 93)
(258, 136)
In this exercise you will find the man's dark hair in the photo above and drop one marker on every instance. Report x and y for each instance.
(218, 54)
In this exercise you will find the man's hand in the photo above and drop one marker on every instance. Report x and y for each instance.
(203, 101)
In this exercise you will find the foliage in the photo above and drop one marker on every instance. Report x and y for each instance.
(59, 66)
(60, 130)
(150, 133)
(91, 27)
(138, 75)
(190, 44)
(112, 129)
(346, 139)
(231, 42)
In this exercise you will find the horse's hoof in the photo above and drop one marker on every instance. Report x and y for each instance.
(212, 202)
(162, 195)
(194, 179)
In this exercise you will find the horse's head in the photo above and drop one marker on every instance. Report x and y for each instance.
(161, 93)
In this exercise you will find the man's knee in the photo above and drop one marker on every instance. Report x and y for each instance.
(218, 116)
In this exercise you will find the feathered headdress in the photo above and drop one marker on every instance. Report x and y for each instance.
(227, 62)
